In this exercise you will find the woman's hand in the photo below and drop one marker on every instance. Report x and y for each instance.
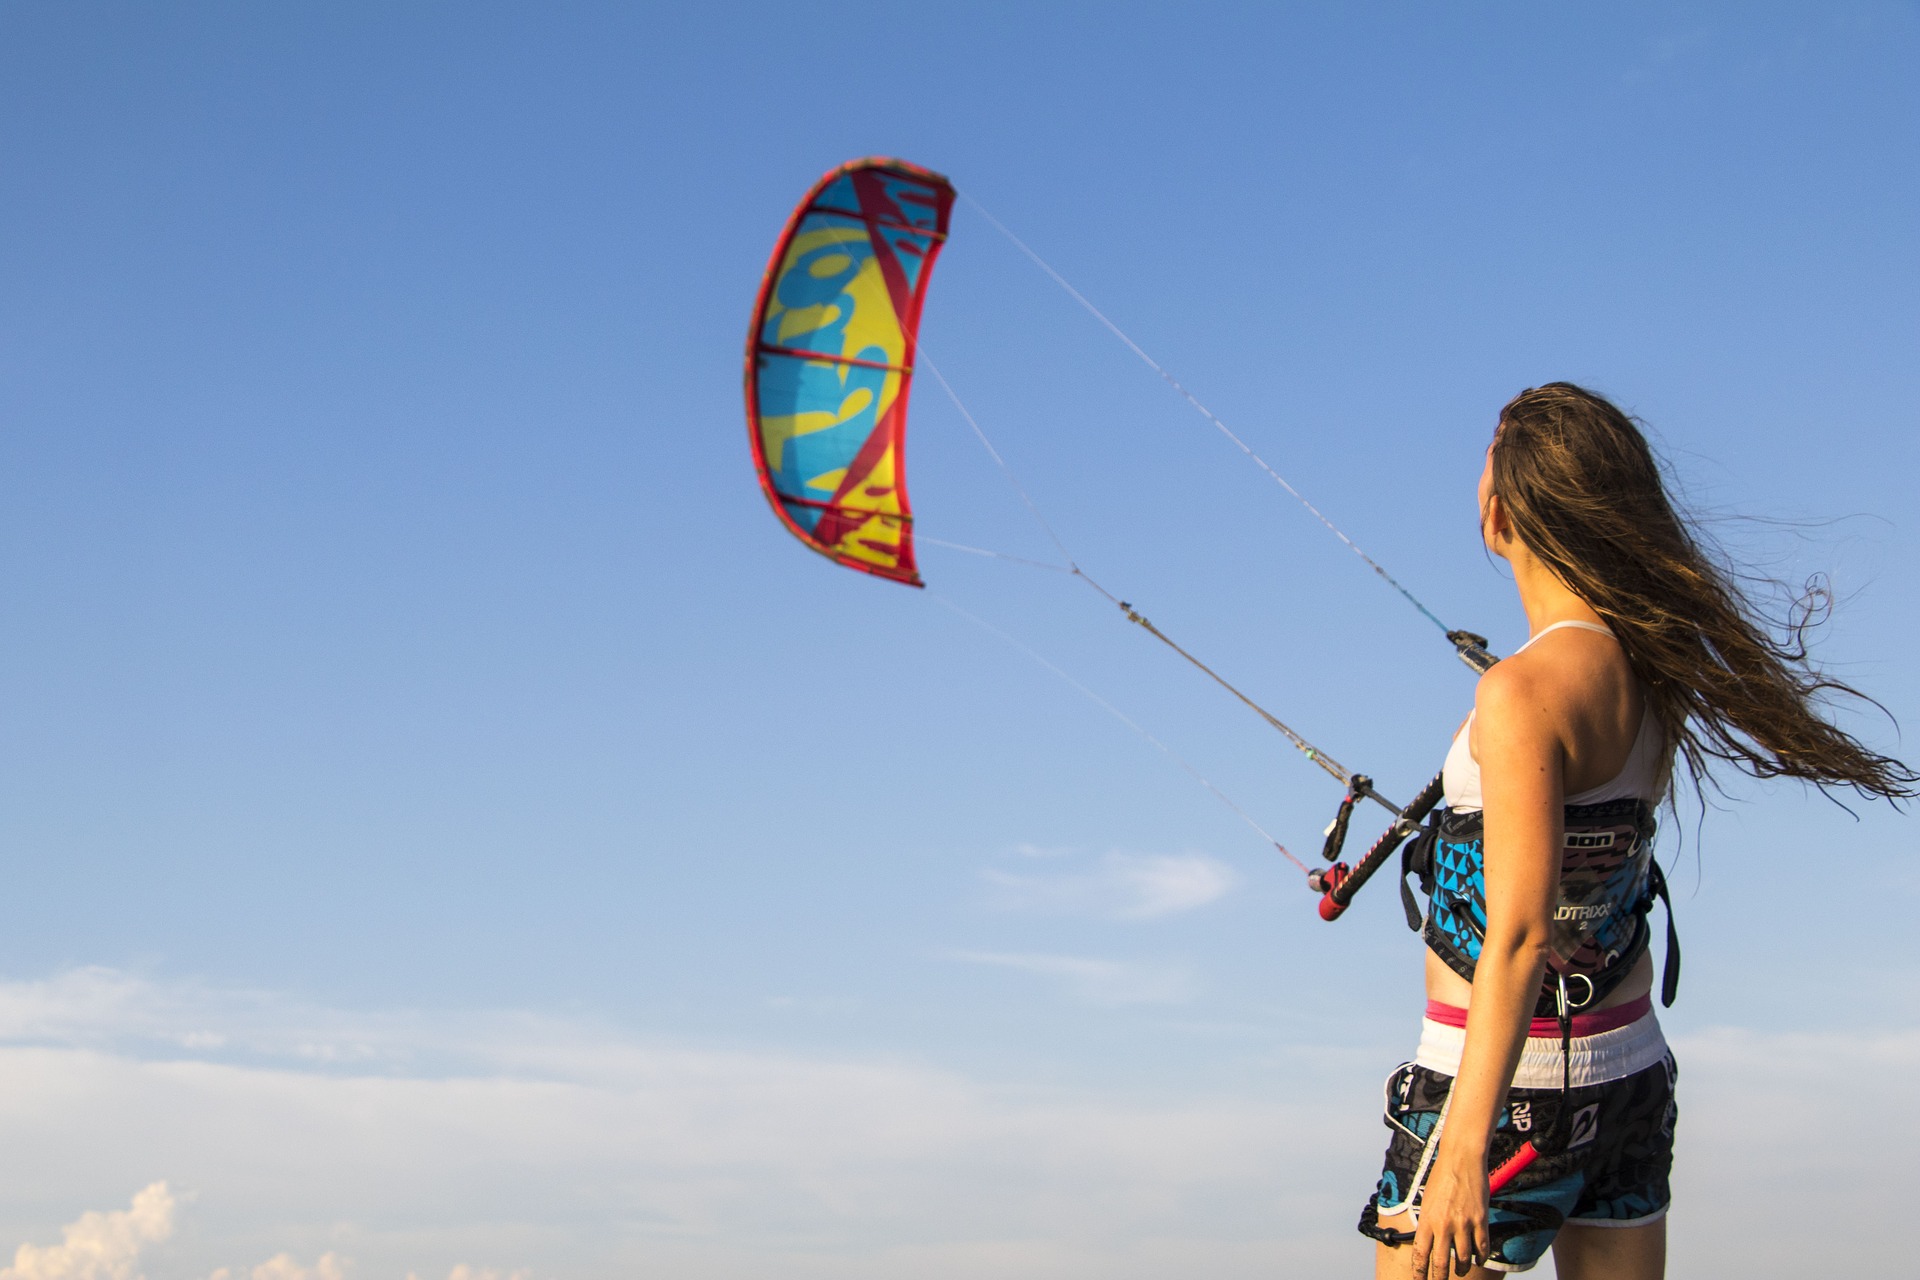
(1452, 1233)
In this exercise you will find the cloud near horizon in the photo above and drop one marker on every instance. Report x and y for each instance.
(1118, 886)
(281, 1266)
(569, 1148)
(1103, 982)
(108, 1246)
(575, 1150)
(99, 1246)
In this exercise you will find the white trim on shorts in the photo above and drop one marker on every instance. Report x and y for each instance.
(1596, 1059)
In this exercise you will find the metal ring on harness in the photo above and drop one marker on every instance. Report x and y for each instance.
(1571, 1002)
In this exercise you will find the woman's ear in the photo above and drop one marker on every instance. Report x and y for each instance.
(1495, 529)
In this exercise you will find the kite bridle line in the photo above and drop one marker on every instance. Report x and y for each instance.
(1472, 648)
(1339, 771)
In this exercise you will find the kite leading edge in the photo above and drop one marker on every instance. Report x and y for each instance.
(830, 360)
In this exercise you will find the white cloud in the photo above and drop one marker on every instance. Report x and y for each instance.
(281, 1266)
(1163, 885)
(109, 1245)
(107, 1008)
(99, 1246)
(577, 1151)
(1044, 851)
(1121, 886)
(684, 1163)
(573, 1150)
(1108, 982)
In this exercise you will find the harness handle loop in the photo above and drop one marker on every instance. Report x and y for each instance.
(1357, 785)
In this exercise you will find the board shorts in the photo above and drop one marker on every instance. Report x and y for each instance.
(1613, 1172)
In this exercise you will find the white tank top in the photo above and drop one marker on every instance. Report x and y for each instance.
(1644, 777)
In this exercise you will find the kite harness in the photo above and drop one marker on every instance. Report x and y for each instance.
(1609, 882)
(1608, 885)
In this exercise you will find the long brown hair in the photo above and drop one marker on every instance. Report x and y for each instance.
(1728, 683)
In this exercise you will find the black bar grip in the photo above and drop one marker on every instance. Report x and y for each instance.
(1391, 839)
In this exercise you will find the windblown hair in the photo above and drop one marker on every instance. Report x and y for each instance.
(1729, 684)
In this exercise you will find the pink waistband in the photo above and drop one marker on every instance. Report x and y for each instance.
(1584, 1024)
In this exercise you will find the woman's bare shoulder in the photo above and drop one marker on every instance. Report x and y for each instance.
(1566, 668)
(1515, 686)
(1578, 694)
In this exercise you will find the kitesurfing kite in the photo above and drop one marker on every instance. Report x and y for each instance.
(830, 360)
(829, 364)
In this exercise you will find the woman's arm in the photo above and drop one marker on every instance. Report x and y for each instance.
(1517, 742)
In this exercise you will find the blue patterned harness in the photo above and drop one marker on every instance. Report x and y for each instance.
(1608, 884)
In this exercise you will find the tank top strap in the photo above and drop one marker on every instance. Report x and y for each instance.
(1575, 623)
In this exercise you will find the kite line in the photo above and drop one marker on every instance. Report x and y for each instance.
(1306, 748)
(1471, 647)
(1336, 883)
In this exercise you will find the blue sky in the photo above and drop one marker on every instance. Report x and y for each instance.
(412, 712)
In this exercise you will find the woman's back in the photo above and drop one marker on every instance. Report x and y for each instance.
(1577, 676)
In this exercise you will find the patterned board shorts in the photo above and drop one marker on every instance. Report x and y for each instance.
(1612, 1174)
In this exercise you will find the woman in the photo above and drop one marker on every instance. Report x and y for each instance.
(1540, 1030)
